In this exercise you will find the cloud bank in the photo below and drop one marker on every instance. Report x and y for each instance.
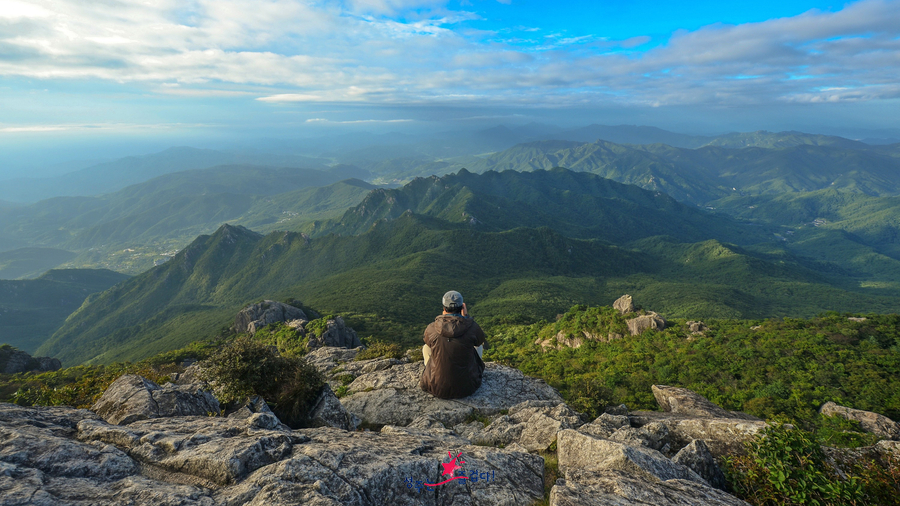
(423, 52)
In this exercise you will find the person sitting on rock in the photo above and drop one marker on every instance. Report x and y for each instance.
(453, 347)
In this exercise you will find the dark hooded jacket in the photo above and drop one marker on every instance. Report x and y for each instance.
(455, 368)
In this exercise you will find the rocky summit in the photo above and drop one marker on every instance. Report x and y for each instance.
(171, 445)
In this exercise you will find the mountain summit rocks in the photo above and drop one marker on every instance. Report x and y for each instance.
(161, 454)
(267, 312)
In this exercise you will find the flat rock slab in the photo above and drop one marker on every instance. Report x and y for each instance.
(392, 396)
(617, 488)
(216, 450)
(132, 397)
(368, 468)
(181, 461)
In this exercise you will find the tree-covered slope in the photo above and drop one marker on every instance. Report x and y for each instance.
(528, 253)
(708, 173)
(575, 204)
(32, 309)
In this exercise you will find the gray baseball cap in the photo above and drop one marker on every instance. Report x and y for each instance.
(452, 299)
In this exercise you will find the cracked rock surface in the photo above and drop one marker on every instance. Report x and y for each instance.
(64, 456)
(392, 396)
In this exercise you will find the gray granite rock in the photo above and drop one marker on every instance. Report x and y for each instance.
(699, 459)
(868, 421)
(578, 451)
(328, 411)
(724, 436)
(131, 398)
(392, 396)
(640, 324)
(617, 488)
(624, 304)
(682, 401)
(256, 316)
(366, 468)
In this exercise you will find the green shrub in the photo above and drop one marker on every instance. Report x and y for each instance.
(788, 467)
(247, 367)
(378, 349)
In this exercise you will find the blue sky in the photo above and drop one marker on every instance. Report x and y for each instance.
(215, 69)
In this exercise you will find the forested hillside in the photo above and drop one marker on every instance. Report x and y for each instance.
(32, 309)
(521, 246)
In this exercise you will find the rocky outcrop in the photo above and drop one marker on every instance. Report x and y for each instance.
(599, 472)
(868, 421)
(339, 365)
(696, 328)
(13, 361)
(682, 401)
(64, 456)
(131, 398)
(650, 321)
(531, 424)
(392, 396)
(336, 333)
(267, 312)
(624, 304)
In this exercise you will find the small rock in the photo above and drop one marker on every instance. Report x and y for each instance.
(621, 409)
(329, 412)
(698, 458)
(697, 327)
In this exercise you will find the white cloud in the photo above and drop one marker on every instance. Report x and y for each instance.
(420, 51)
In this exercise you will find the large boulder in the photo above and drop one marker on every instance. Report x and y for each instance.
(699, 459)
(624, 304)
(336, 333)
(723, 436)
(256, 316)
(640, 324)
(13, 361)
(618, 488)
(870, 422)
(132, 397)
(531, 424)
(598, 472)
(369, 468)
(682, 401)
(212, 450)
(392, 396)
(577, 450)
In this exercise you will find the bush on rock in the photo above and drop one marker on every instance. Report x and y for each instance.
(246, 367)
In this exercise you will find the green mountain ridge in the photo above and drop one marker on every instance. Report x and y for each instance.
(408, 245)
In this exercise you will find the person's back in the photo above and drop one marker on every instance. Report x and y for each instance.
(453, 365)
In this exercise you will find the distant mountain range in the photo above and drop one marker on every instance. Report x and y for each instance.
(112, 176)
(132, 228)
(520, 245)
(746, 225)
